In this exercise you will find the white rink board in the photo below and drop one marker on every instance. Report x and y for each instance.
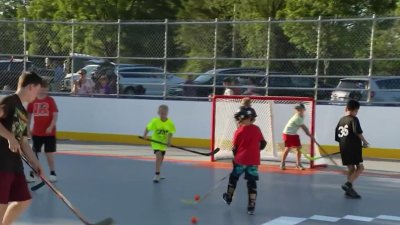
(193, 118)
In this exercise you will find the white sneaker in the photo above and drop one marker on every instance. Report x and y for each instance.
(300, 167)
(282, 166)
(156, 179)
(52, 178)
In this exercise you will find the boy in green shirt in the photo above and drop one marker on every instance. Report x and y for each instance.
(162, 130)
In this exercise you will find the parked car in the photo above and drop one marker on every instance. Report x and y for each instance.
(146, 80)
(11, 69)
(381, 90)
(95, 69)
(240, 75)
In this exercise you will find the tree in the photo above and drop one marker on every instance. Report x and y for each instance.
(340, 39)
(93, 39)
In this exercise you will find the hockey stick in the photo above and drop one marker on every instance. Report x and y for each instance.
(182, 148)
(305, 154)
(326, 153)
(198, 199)
(107, 221)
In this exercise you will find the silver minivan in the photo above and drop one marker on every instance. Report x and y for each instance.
(367, 89)
(146, 81)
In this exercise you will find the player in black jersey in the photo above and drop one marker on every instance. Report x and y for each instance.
(351, 140)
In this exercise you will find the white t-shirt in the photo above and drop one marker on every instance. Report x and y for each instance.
(86, 88)
(293, 124)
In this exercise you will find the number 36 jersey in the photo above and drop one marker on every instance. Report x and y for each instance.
(346, 133)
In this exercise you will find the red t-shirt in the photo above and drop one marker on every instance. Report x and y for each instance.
(42, 113)
(247, 142)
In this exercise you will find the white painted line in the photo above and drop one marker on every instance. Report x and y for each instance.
(358, 218)
(285, 220)
(325, 218)
(386, 217)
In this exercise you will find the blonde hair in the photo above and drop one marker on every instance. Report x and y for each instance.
(164, 107)
(246, 102)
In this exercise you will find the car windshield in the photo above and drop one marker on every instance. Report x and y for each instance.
(205, 77)
(90, 68)
(353, 84)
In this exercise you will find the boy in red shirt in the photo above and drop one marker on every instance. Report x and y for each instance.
(44, 112)
(247, 143)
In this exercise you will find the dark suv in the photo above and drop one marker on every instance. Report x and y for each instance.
(240, 75)
(10, 70)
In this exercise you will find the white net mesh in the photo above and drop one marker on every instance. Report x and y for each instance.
(272, 115)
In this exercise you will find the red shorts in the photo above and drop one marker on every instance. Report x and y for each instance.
(13, 188)
(291, 141)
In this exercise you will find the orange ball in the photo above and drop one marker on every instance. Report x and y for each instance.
(197, 198)
(194, 220)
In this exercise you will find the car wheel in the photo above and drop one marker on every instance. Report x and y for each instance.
(129, 91)
(139, 90)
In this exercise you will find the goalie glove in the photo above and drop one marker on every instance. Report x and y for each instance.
(263, 143)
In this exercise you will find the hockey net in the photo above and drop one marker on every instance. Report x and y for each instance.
(273, 112)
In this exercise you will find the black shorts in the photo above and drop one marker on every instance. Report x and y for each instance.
(49, 143)
(162, 152)
(351, 155)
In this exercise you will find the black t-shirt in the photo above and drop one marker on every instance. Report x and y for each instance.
(15, 119)
(346, 132)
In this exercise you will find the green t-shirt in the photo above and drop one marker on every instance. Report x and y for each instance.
(293, 125)
(160, 130)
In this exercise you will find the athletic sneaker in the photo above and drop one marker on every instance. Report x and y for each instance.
(300, 167)
(251, 208)
(52, 178)
(346, 187)
(227, 198)
(351, 193)
(156, 179)
(282, 166)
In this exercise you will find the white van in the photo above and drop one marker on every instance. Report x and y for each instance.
(381, 90)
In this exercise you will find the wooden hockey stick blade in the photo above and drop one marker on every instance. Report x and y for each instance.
(37, 186)
(108, 221)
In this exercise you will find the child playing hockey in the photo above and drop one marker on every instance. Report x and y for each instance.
(44, 113)
(247, 143)
(348, 133)
(14, 193)
(162, 129)
(291, 138)
(246, 105)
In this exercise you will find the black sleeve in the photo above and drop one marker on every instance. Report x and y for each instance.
(337, 133)
(5, 106)
(356, 126)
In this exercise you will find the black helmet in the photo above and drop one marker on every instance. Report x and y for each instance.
(244, 113)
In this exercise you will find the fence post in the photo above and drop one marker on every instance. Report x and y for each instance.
(118, 53)
(215, 54)
(371, 55)
(317, 57)
(267, 56)
(165, 57)
(72, 51)
(25, 45)
(234, 32)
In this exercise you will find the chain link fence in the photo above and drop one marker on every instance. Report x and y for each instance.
(332, 60)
